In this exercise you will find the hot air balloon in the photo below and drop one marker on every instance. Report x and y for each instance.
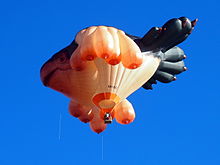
(104, 65)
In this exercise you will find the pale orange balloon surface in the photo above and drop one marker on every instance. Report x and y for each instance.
(97, 124)
(75, 109)
(124, 112)
(87, 116)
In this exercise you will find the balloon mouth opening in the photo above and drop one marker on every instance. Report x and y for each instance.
(106, 101)
(107, 104)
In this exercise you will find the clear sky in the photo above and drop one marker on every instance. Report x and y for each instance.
(184, 131)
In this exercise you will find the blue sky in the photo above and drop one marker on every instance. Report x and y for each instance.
(185, 131)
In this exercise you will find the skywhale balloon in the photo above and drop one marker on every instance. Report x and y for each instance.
(104, 65)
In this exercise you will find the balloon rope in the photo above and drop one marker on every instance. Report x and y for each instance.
(102, 148)
(60, 122)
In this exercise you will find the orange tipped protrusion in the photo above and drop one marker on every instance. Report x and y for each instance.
(97, 124)
(75, 113)
(131, 56)
(87, 116)
(87, 49)
(114, 57)
(124, 112)
(82, 112)
(90, 57)
(75, 109)
(103, 41)
(134, 66)
(134, 62)
(105, 56)
(76, 61)
(114, 61)
(126, 121)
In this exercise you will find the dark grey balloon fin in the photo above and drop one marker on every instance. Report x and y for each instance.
(172, 33)
(170, 65)
(174, 55)
(151, 36)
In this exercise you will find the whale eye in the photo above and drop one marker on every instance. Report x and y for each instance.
(63, 57)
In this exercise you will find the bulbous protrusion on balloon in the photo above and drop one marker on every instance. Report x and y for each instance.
(97, 124)
(87, 116)
(124, 112)
(115, 57)
(80, 36)
(83, 113)
(87, 50)
(75, 109)
(77, 63)
(131, 56)
(104, 42)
